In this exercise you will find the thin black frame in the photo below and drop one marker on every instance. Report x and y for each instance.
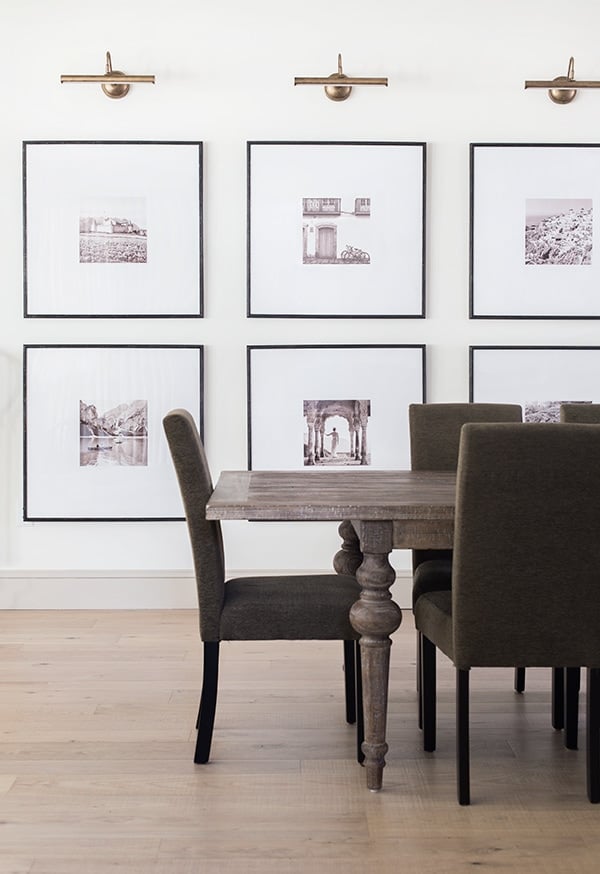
(338, 315)
(472, 290)
(523, 348)
(130, 315)
(199, 420)
(335, 346)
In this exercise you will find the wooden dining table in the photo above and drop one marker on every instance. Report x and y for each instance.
(378, 510)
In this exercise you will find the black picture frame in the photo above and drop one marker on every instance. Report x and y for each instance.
(539, 378)
(534, 249)
(112, 229)
(93, 442)
(364, 390)
(336, 229)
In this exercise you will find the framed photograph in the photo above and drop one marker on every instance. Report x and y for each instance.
(332, 407)
(112, 229)
(539, 378)
(336, 230)
(94, 447)
(534, 240)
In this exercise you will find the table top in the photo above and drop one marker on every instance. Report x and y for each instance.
(317, 495)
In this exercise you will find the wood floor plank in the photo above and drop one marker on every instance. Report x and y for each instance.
(96, 775)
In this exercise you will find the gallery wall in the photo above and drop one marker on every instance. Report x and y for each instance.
(224, 76)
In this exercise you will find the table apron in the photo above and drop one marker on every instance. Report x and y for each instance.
(423, 534)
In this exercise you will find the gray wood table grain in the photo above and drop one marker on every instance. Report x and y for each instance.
(378, 511)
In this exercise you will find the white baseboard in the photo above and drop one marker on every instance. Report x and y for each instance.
(122, 590)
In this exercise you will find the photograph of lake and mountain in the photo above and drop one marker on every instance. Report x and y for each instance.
(116, 437)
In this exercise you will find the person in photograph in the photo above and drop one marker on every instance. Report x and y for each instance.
(335, 439)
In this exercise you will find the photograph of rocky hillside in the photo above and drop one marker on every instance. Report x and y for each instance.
(545, 411)
(558, 231)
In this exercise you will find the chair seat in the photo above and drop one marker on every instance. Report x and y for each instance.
(301, 607)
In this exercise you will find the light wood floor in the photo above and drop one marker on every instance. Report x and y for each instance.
(96, 773)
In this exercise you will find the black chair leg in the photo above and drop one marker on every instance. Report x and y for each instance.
(208, 702)
(519, 680)
(428, 693)
(593, 735)
(419, 689)
(350, 681)
(360, 718)
(558, 698)
(572, 684)
(463, 780)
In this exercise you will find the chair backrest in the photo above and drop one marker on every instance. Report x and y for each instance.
(435, 430)
(581, 413)
(206, 539)
(435, 438)
(526, 569)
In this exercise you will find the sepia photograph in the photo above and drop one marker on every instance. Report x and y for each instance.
(558, 231)
(336, 433)
(332, 228)
(113, 231)
(114, 436)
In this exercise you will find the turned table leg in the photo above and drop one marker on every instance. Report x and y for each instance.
(349, 558)
(375, 616)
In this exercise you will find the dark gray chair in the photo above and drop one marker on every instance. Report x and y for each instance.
(575, 414)
(526, 567)
(434, 439)
(302, 607)
(581, 414)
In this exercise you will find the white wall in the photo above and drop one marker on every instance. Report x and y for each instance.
(224, 75)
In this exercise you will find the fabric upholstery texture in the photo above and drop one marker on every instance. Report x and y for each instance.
(580, 413)
(290, 608)
(526, 568)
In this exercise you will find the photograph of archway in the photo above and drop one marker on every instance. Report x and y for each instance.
(336, 433)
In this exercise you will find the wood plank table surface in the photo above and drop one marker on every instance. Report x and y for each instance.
(378, 511)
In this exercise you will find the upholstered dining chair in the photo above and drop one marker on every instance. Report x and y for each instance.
(300, 607)
(525, 567)
(434, 431)
(584, 414)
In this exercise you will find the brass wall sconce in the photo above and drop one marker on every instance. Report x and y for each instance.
(563, 89)
(338, 86)
(114, 83)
